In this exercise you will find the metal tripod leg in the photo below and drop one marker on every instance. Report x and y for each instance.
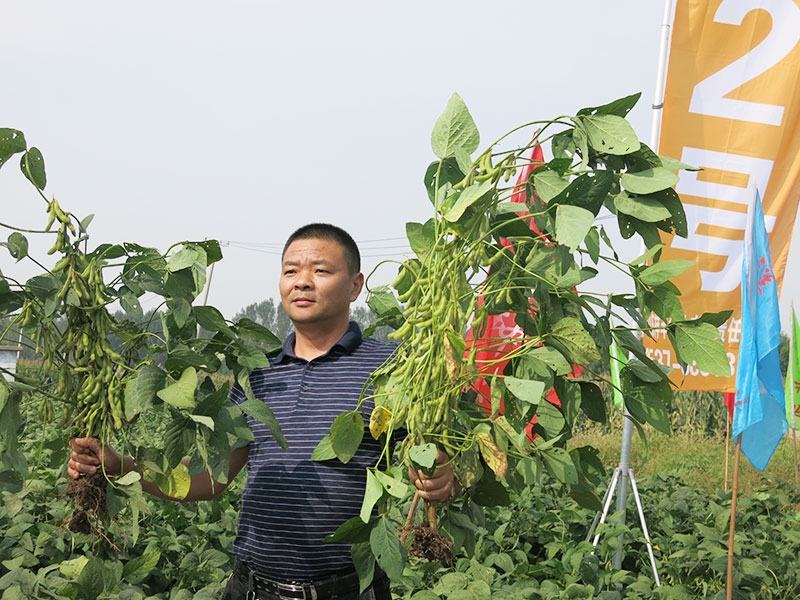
(601, 517)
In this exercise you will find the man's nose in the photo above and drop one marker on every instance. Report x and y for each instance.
(303, 281)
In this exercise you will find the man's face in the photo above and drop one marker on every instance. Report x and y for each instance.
(316, 284)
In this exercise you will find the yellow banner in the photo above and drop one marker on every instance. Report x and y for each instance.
(731, 107)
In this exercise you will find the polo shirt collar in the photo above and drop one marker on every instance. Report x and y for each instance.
(347, 343)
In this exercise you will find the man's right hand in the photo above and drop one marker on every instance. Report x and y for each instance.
(88, 456)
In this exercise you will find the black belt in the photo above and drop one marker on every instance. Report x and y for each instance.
(330, 587)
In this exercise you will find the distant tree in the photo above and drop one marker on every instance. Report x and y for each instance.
(269, 314)
(272, 316)
(365, 317)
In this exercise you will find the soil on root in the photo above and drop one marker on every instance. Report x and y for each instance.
(88, 494)
(428, 543)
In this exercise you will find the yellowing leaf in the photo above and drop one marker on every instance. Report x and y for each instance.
(492, 454)
(379, 421)
(178, 482)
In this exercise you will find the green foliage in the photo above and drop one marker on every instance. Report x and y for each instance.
(531, 248)
(533, 547)
(102, 371)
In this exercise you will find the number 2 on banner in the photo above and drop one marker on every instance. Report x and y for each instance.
(708, 97)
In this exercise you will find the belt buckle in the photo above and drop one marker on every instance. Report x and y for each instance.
(311, 595)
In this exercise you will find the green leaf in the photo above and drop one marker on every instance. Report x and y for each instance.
(572, 225)
(204, 420)
(91, 584)
(32, 165)
(395, 487)
(454, 128)
(552, 358)
(212, 250)
(646, 402)
(642, 208)
(130, 303)
(11, 142)
(180, 308)
(463, 159)
(17, 245)
(593, 244)
(373, 491)
(673, 164)
(352, 531)
(186, 257)
(645, 373)
(664, 302)
(527, 390)
(72, 568)
(136, 570)
(550, 419)
(181, 393)
(141, 390)
(700, 344)
(465, 199)
(251, 357)
(388, 551)
(489, 491)
(610, 134)
(257, 409)
(251, 331)
(619, 107)
(347, 432)
(210, 319)
(323, 450)
(129, 478)
(423, 456)
(384, 303)
(649, 180)
(421, 236)
(592, 402)
(442, 173)
(716, 319)
(548, 185)
(663, 271)
(559, 463)
(569, 336)
(364, 562)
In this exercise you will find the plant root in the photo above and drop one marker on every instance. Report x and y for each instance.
(88, 494)
(426, 540)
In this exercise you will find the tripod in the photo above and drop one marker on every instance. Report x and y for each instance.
(619, 481)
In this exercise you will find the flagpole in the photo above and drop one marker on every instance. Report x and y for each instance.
(661, 74)
(790, 376)
(729, 590)
(728, 425)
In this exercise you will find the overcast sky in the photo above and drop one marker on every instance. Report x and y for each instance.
(243, 120)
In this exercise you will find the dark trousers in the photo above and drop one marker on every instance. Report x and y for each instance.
(238, 589)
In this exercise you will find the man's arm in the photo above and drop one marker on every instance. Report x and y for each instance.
(88, 456)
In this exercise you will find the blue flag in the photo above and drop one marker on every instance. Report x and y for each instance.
(759, 411)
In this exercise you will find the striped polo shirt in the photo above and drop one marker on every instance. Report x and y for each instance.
(290, 503)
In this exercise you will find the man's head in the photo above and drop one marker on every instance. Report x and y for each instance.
(320, 278)
(325, 231)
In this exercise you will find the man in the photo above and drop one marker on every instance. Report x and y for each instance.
(291, 503)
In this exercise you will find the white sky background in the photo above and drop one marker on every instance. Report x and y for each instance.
(243, 120)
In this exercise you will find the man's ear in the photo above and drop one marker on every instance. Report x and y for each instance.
(358, 285)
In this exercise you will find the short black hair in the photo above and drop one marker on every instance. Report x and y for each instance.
(326, 231)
